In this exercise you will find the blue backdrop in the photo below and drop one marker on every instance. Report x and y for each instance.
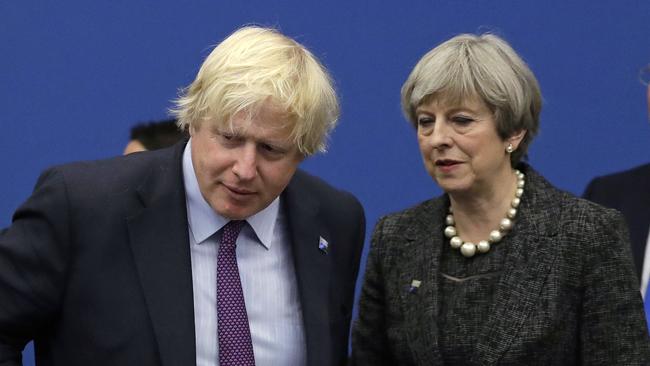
(77, 74)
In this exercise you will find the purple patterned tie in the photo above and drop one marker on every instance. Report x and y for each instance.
(235, 344)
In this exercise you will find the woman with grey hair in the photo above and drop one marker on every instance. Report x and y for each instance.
(503, 268)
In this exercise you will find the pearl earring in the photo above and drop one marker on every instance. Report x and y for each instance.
(510, 149)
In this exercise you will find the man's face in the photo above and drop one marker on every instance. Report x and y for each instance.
(241, 171)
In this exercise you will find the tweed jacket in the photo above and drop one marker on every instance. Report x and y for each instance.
(568, 294)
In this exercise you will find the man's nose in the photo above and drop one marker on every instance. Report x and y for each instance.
(245, 166)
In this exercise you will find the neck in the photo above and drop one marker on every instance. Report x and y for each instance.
(478, 213)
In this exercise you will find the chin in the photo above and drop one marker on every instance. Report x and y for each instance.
(454, 187)
(232, 215)
(228, 212)
(235, 212)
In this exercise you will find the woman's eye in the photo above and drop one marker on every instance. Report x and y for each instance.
(462, 120)
(425, 121)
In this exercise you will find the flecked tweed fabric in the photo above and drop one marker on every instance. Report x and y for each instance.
(235, 343)
(567, 294)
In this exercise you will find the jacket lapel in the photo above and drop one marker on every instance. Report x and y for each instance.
(312, 267)
(420, 303)
(159, 241)
(637, 213)
(529, 261)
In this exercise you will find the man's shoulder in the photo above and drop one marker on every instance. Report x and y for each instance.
(623, 183)
(306, 183)
(633, 174)
(307, 190)
(115, 173)
(423, 212)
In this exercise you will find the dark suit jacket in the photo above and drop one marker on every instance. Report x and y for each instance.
(96, 265)
(568, 294)
(628, 192)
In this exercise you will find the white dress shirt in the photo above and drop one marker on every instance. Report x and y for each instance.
(267, 276)
(645, 273)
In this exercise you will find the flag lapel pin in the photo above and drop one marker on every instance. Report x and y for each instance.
(323, 245)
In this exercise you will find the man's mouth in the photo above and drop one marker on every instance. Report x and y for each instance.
(238, 190)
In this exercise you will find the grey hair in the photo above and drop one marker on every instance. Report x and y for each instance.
(484, 66)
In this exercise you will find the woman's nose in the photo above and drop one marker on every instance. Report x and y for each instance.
(440, 136)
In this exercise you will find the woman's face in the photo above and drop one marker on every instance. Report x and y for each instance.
(460, 146)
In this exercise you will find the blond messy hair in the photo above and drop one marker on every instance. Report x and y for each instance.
(255, 66)
(484, 66)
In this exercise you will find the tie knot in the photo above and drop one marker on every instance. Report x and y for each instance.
(231, 232)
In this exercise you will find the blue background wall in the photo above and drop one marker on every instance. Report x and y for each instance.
(75, 75)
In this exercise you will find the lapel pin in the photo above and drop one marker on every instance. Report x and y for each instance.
(415, 284)
(322, 244)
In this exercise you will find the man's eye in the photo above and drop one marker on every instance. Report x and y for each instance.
(271, 149)
(227, 137)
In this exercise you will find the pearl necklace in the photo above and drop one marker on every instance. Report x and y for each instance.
(469, 249)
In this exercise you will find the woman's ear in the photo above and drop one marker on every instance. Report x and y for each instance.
(516, 138)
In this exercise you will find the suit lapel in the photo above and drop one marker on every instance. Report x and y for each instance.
(312, 267)
(528, 263)
(637, 214)
(160, 245)
(421, 249)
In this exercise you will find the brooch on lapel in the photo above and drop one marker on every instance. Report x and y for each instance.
(323, 244)
(415, 285)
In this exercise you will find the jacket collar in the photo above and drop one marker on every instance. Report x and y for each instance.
(529, 260)
(421, 249)
(158, 234)
(312, 267)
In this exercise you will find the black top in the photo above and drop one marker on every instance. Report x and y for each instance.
(467, 287)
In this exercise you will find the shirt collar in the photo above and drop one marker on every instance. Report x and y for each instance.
(204, 221)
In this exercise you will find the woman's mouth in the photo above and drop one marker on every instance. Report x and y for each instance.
(446, 165)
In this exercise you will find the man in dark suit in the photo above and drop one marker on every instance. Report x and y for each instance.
(629, 192)
(217, 251)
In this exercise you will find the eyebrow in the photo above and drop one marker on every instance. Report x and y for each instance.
(455, 109)
(281, 144)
